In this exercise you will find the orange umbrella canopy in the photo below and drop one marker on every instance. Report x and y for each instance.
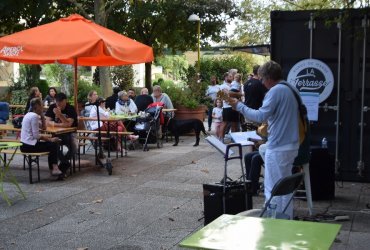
(72, 38)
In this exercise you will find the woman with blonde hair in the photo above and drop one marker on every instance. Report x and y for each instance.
(92, 96)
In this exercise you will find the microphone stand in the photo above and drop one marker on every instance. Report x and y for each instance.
(100, 150)
(100, 153)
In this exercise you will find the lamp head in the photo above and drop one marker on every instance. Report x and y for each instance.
(194, 18)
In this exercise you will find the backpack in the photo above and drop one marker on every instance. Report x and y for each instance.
(17, 121)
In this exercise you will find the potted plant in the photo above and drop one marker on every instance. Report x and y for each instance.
(188, 99)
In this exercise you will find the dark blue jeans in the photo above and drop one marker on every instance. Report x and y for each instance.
(253, 162)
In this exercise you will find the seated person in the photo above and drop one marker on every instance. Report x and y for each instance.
(110, 102)
(124, 104)
(113, 126)
(158, 96)
(143, 100)
(91, 99)
(34, 92)
(62, 114)
(32, 141)
(132, 94)
(50, 98)
(253, 162)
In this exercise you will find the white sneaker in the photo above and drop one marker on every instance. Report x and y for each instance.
(56, 172)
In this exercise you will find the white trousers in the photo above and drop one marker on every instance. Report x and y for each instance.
(278, 164)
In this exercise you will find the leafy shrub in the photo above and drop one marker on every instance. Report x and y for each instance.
(219, 65)
(43, 87)
(122, 76)
(190, 95)
(84, 87)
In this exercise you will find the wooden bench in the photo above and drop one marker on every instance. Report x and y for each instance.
(10, 140)
(29, 158)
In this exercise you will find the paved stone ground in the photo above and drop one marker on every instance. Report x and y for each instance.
(152, 201)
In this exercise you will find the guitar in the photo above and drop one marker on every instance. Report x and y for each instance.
(226, 95)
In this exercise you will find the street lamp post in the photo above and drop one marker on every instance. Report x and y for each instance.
(195, 18)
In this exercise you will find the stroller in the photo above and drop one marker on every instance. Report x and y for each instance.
(148, 125)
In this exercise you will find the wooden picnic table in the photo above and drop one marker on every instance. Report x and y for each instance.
(113, 118)
(17, 106)
(59, 130)
(23, 106)
(9, 127)
(169, 110)
(49, 129)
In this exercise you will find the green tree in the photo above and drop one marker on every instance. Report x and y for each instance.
(123, 76)
(175, 66)
(254, 22)
(163, 24)
(100, 10)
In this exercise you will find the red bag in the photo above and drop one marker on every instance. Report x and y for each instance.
(161, 116)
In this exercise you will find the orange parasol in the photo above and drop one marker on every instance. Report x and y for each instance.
(73, 40)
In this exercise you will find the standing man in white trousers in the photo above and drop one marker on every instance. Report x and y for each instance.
(280, 110)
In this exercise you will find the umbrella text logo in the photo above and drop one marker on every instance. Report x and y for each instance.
(11, 51)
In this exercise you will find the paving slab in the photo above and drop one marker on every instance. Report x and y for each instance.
(153, 200)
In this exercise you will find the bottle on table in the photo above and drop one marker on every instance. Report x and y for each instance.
(324, 143)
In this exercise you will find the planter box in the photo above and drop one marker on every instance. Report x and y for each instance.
(183, 113)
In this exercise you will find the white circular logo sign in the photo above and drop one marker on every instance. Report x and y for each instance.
(312, 75)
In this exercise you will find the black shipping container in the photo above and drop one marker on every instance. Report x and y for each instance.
(290, 43)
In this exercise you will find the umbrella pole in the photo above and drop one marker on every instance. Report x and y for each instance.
(75, 85)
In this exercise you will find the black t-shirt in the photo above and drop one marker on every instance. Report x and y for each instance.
(254, 92)
(143, 101)
(110, 102)
(68, 112)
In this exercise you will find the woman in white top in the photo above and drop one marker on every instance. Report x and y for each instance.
(31, 139)
(124, 104)
(91, 97)
(113, 126)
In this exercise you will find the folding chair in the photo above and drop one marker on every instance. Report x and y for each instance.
(285, 186)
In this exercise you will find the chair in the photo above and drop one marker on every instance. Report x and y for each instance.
(285, 186)
(4, 112)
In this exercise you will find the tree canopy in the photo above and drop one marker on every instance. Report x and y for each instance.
(254, 22)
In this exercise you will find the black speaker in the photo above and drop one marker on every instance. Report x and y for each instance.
(235, 199)
(322, 174)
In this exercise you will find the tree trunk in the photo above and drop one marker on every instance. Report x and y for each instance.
(101, 18)
(105, 83)
(148, 76)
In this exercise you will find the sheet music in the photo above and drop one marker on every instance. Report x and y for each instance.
(215, 142)
(243, 137)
